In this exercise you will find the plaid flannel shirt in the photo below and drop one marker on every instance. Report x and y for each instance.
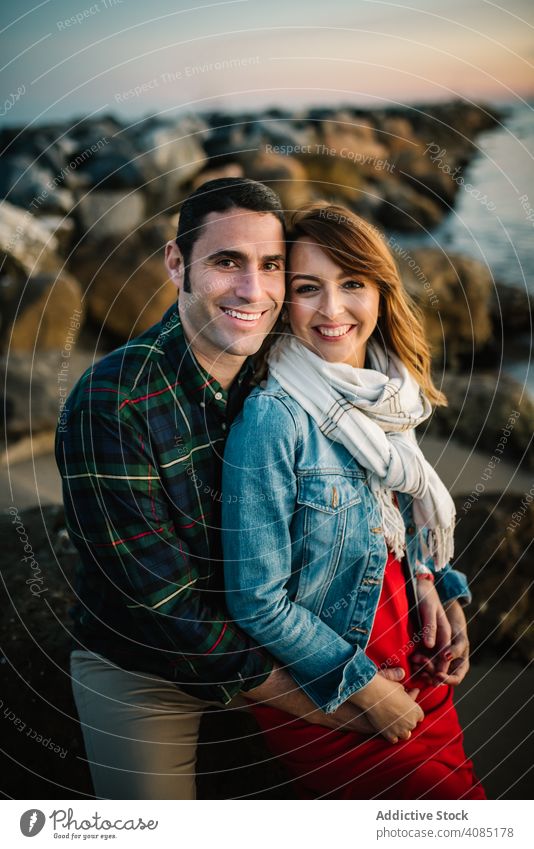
(139, 447)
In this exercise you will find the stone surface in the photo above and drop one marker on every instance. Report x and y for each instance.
(29, 246)
(492, 543)
(33, 388)
(486, 411)
(454, 293)
(126, 283)
(110, 214)
(42, 313)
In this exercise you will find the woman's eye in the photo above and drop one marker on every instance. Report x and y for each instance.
(353, 284)
(305, 289)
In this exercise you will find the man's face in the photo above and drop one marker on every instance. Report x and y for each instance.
(237, 283)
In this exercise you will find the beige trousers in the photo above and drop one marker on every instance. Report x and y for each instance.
(140, 730)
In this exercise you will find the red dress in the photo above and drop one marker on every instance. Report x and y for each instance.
(347, 765)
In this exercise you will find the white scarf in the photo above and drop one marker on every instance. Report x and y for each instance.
(373, 413)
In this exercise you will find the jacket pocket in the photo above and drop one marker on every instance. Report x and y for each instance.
(324, 499)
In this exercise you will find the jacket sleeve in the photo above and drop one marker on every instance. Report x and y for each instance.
(118, 517)
(259, 497)
(451, 584)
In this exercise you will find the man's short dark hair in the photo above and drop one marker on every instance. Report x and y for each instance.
(220, 196)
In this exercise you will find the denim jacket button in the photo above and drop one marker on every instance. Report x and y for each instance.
(376, 530)
(410, 529)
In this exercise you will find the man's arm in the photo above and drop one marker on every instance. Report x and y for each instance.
(118, 517)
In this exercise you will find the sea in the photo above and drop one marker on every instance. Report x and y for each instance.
(494, 222)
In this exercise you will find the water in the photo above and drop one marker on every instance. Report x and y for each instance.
(503, 238)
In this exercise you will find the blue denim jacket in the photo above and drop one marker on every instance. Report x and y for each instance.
(303, 548)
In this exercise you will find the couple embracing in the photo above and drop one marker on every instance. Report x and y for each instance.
(256, 523)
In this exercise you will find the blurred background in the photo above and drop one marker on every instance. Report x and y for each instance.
(419, 117)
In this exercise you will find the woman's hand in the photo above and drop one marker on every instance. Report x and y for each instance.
(459, 648)
(390, 709)
(436, 632)
(451, 664)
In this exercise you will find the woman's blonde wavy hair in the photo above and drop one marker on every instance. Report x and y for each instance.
(359, 249)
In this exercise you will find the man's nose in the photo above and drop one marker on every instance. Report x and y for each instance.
(250, 286)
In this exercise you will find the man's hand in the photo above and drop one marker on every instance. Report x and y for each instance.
(451, 665)
(280, 690)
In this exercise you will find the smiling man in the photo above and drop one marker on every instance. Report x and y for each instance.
(140, 454)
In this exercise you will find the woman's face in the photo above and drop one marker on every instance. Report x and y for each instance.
(332, 312)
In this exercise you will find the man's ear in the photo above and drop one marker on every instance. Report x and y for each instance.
(174, 264)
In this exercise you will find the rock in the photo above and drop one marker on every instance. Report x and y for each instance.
(110, 214)
(454, 293)
(35, 387)
(233, 169)
(61, 228)
(126, 283)
(35, 634)
(29, 246)
(511, 309)
(285, 175)
(335, 179)
(425, 177)
(405, 209)
(42, 313)
(352, 139)
(171, 151)
(488, 411)
(492, 540)
(27, 183)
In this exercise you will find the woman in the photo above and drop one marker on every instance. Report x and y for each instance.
(334, 521)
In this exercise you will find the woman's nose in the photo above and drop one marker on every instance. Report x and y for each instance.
(331, 304)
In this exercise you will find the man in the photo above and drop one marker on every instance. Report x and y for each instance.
(140, 454)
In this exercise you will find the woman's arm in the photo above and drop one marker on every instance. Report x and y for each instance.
(259, 498)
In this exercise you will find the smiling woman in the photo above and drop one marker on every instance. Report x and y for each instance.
(338, 533)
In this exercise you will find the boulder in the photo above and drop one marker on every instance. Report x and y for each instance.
(511, 309)
(29, 246)
(110, 214)
(26, 182)
(454, 293)
(405, 209)
(492, 544)
(35, 634)
(35, 387)
(488, 411)
(126, 285)
(41, 313)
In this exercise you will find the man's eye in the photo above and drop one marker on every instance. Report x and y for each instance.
(272, 266)
(227, 263)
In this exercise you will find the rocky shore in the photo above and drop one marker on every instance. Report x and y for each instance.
(85, 214)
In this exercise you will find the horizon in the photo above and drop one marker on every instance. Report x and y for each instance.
(112, 57)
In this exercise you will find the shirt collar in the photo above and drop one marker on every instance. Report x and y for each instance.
(200, 387)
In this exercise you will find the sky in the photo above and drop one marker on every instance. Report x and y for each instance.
(66, 58)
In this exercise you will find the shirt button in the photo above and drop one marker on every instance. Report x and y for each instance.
(218, 396)
(202, 403)
(223, 425)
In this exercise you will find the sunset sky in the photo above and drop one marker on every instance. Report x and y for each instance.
(134, 58)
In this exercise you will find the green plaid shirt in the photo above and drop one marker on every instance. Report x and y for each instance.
(139, 447)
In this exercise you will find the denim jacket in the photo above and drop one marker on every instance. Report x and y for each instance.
(303, 548)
